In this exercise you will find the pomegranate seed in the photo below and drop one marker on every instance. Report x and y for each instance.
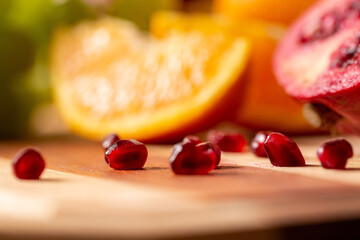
(232, 142)
(126, 155)
(335, 153)
(28, 164)
(193, 139)
(110, 140)
(283, 151)
(196, 140)
(188, 158)
(218, 153)
(257, 144)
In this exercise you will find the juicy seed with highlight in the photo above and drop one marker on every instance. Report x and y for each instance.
(126, 155)
(335, 153)
(188, 158)
(283, 151)
(257, 144)
(196, 140)
(28, 164)
(193, 139)
(232, 142)
(110, 140)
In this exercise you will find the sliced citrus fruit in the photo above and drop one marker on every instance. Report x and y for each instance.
(109, 77)
(265, 105)
(283, 11)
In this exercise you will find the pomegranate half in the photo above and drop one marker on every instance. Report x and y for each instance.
(318, 61)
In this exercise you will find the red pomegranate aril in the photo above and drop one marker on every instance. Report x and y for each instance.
(345, 58)
(257, 144)
(110, 140)
(218, 153)
(196, 140)
(28, 164)
(187, 158)
(193, 139)
(331, 22)
(335, 153)
(231, 142)
(126, 155)
(283, 151)
(326, 27)
(347, 54)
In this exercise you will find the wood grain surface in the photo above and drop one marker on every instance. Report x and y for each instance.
(79, 196)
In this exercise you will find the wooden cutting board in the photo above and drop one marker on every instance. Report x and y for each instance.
(80, 196)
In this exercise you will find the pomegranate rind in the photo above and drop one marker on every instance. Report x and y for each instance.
(300, 67)
(164, 122)
(304, 69)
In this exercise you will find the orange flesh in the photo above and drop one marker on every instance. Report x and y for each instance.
(265, 105)
(161, 72)
(109, 77)
(283, 11)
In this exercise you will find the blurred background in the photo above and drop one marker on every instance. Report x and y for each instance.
(27, 27)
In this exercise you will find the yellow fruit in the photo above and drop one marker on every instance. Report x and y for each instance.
(283, 11)
(264, 104)
(109, 77)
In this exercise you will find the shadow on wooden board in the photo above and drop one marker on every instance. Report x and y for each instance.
(332, 230)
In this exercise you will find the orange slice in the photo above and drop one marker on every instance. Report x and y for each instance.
(283, 11)
(109, 77)
(265, 105)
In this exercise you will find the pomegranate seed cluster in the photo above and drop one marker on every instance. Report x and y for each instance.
(284, 152)
(192, 156)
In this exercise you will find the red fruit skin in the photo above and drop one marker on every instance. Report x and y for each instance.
(257, 144)
(334, 154)
(110, 140)
(28, 164)
(316, 79)
(126, 155)
(283, 151)
(233, 142)
(344, 103)
(188, 158)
